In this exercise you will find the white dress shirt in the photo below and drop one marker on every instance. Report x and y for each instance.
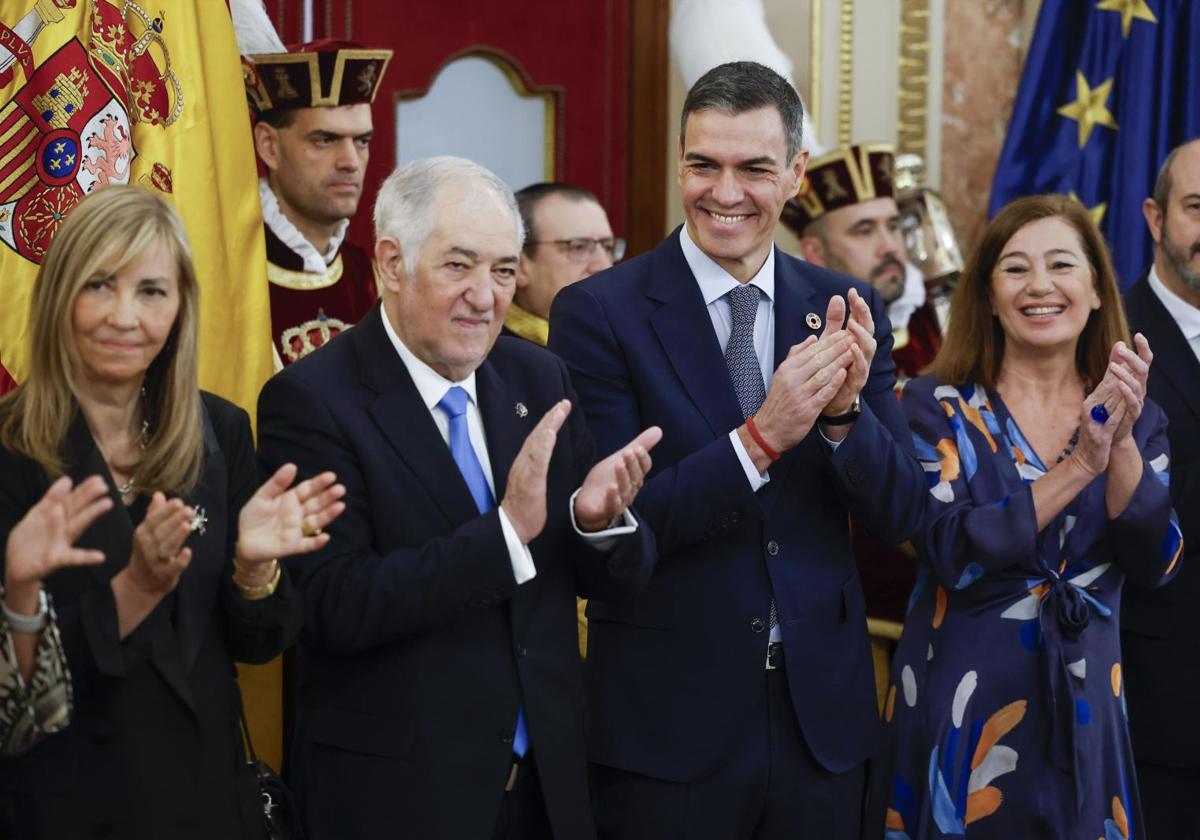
(432, 386)
(1185, 315)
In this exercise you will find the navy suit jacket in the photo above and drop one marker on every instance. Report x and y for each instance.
(673, 674)
(418, 646)
(1160, 628)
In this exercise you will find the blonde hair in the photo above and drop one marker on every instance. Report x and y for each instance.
(973, 349)
(106, 232)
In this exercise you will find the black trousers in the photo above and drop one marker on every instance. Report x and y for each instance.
(522, 814)
(771, 788)
(1169, 801)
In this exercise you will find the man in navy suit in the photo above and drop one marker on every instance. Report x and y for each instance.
(440, 687)
(735, 698)
(1160, 628)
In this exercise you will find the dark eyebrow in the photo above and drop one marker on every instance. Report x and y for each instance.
(1190, 197)
(696, 157)
(462, 252)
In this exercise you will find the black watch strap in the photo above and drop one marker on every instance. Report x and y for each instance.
(843, 419)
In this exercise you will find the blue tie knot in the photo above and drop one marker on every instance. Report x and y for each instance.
(455, 402)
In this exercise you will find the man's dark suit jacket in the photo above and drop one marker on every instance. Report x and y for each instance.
(673, 674)
(1160, 628)
(418, 645)
(154, 748)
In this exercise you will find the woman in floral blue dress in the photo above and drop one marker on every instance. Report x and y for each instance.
(1047, 470)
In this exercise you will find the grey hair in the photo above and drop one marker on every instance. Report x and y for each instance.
(740, 86)
(404, 205)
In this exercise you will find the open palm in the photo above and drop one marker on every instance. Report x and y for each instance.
(281, 520)
(43, 541)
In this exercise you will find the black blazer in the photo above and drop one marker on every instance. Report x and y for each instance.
(1160, 628)
(154, 748)
(673, 675)
(418, 645)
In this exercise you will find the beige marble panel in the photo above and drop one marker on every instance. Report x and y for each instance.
(983, 45)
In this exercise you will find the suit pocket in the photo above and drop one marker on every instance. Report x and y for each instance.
(360, 732)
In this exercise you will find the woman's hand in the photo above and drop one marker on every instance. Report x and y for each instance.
(159, 557)
(1101, 416)
(1131, 370)
(281, 520)
(41, 543)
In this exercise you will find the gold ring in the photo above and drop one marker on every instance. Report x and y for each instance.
(309, 531)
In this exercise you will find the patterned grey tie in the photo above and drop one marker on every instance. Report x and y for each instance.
(742, 361)
(740, 358)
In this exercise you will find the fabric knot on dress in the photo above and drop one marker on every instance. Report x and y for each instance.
(1069, 606)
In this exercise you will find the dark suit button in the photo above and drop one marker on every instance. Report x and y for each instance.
(772, 548)
(507, 735)
(522, 651)
(758, 625)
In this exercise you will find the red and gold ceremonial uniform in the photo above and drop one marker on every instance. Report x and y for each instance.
(309, 308)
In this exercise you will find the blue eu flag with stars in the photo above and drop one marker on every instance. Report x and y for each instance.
(1109, 87)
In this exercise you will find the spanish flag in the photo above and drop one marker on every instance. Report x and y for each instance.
(98, 92)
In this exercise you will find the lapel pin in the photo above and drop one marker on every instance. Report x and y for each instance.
(199, 521)
(813, 320)
(521, 410)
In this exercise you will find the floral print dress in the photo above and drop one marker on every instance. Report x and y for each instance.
(1006, 708)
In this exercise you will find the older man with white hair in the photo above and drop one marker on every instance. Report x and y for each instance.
(440, 688)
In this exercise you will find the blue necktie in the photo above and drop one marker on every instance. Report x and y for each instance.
(454, 404)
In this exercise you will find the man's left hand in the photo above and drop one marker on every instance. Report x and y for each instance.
(862, 327)
(612, 484)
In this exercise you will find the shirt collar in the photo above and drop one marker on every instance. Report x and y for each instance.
(291, 236)
(1185, 315)
(714, 281)
(431, 385)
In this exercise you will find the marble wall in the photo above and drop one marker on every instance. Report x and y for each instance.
(984, 48)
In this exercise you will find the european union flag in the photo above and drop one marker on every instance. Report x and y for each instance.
(1109, 87)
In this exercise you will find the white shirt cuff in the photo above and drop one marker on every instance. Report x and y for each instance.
(624, 524)
(518, 552)
(757, 480)
(833, 443)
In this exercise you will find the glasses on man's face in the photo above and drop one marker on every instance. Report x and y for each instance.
(580, 249)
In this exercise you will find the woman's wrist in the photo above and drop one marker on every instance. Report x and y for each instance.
(22, 597)
(261, 584)
(26, 619)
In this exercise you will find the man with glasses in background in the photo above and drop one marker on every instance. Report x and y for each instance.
(569, 238)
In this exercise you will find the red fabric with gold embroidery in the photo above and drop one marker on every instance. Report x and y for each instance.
(304, 319)
(924, 340)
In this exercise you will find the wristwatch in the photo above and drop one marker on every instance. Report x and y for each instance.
(842, 419)
(28, 623)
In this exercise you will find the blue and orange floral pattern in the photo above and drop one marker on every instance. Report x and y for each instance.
(1006, 709)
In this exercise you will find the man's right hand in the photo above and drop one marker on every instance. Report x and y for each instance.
(802, 387)
(524, 500)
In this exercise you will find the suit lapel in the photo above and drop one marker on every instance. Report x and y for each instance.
(404, 421)
(684, 329)
(197, 590)
(506, 431)
(1173, 356)
(795, 300)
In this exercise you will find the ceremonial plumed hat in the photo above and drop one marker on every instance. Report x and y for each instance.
(319, 73)
(840, 179)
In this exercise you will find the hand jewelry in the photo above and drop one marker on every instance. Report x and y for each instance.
(1100, 414)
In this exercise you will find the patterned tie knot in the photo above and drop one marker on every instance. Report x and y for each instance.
(455, 402)
(743, 300)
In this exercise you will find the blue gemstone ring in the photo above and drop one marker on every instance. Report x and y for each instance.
(1100, 414)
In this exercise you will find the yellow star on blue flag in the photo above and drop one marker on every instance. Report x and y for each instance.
(1128, 9)
(1089, 107)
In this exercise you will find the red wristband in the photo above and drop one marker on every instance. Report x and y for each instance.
(758, 438)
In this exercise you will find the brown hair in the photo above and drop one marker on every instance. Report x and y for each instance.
(107, 231)
(973, 349)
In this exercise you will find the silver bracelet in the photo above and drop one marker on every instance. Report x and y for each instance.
(27, 623)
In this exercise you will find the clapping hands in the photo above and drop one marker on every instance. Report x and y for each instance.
(1109, 412)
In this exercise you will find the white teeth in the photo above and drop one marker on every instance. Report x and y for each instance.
(1042, 310)
(727, 220)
